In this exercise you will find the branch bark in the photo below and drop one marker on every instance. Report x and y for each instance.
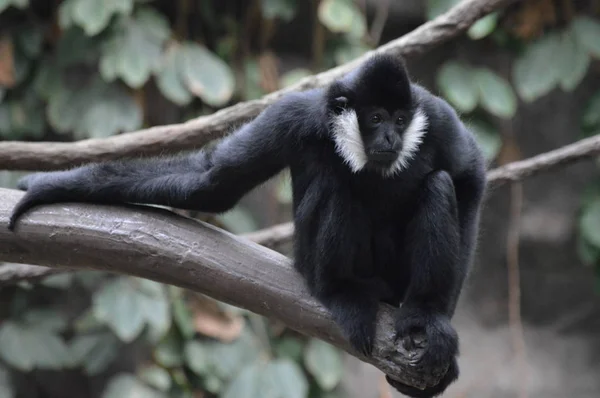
(197, 132)
(156, 244)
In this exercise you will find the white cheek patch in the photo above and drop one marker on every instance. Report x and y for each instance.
(348, 142)
(412, 139)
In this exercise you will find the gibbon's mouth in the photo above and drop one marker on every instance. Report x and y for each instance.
(383, 158)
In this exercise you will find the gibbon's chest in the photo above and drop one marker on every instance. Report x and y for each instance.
(319, 172)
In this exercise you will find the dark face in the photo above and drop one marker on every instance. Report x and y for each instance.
(382, 134)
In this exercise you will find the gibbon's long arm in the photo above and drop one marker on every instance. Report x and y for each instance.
(209, 180)
(434, 236)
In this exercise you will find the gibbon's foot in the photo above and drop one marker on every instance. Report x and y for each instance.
(431, 334)
(429, 392)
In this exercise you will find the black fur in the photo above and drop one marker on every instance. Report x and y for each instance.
(361, 238)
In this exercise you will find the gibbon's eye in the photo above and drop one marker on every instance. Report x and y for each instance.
(376, 119)
(400, 120)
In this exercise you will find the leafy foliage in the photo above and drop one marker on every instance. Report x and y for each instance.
(284, 9)
(128, 386)
(342, 16)
(91, 15)
(127, 305)
(4, 4)
(134, 50)
(324, 363)
(466, 87)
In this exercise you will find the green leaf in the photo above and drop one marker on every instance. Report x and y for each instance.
(156, 377)
(22, 4)
(127, 304)
(157, 309)
(293, 76)
(289, 347)
(58, 281)
(134, 51)
(284, 9)
(169, 79)
(438, 7)
(574, 61)
(45, 319)
(591, 114)
(495, 93)
(29, 38)
(349, 51)
(206, 75)
(456, 82)
(277, 379)
(342, 16)
(168, 353)
(487, 137)
(14, 349)
(93, 110)
(246, 384)
(228, 358)
(589, 223)
(221, 359)
(483, 27)
(125, 385)
(284, 189)
(197, 357)
(6, 387)
(74, 48)
(283, 378)
(92, 15)
(324, 362)
(587, 30)
(540, 56)
(26, 348)
(95, 352)
(238, 220)
(253, 80)
(183, 318)
(587, 253)
(22, 116)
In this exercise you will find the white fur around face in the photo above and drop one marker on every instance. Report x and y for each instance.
(412, 139)
(349, 144)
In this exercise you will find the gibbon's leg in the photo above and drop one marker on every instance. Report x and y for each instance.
(436, 277)
(336, 251)
(209, 181)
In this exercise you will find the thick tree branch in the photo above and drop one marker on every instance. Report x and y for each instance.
(155, 244)
(197, 132)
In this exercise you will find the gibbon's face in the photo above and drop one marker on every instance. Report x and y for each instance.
(378, 138)
(376, 123)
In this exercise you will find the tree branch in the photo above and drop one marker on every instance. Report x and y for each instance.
(517, 171)
(197, 132)
(156, 244)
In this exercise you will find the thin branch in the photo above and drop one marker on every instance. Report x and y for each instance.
(197, 132)
(381, 17)
(514, 286)
(155, 244)
(516, 171)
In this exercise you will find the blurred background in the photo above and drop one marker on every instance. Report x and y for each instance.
(526, 79)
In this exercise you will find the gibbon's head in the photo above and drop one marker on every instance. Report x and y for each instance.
(374, 121)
